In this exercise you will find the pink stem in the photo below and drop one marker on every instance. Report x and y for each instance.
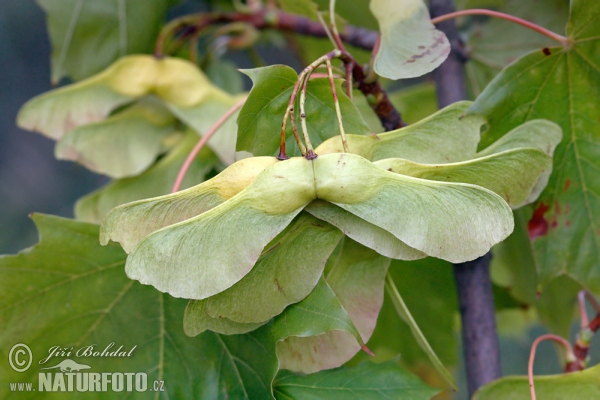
(213, 129)
(481, 11)
(592, 301)
(537, 341)
(585, 321)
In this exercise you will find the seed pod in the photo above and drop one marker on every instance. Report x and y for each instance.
(131, 222)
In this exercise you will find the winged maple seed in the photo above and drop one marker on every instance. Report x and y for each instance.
(86, 120)
(453, 221)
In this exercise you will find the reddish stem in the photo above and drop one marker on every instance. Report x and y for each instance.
(563, 342)
(594, 303)
(348, 68)
(213, 129)
(290, 112)
(481, 11)
(585, 321)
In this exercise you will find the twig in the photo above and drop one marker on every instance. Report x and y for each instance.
(274, 19)
(213, 129)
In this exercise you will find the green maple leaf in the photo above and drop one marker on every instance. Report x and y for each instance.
(576, 385)
(343, 383)
(70, 291)
(561, 84)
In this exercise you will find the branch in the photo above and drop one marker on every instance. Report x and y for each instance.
(479, 337)
(189, 26)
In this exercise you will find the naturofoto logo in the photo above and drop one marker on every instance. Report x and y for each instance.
(71, 376)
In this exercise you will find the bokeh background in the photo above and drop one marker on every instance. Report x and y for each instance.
(31, 180)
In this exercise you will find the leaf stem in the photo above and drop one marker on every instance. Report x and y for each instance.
(336, 102)
(326, 28)
(585, 321)
(310, 154)
(213, 129)
(289, 113)
(334, 30)
(405, 315)
(581, 348)
(527, 24)
(301, 85)
(348, 68)
(563, 342)
(592, 300)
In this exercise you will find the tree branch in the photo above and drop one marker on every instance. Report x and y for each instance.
(378, 100)
(473, 284)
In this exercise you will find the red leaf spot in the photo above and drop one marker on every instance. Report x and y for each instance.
(567, 185)
(538, 226)
(557, 207)
(546, 51)
(554, 223)
(567, 223)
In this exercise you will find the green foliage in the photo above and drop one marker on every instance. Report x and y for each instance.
(259, 123)
(496, 43)
(81, 43)
(513, 265)
(406, 316)
(367, 381)
(557, 86)
(576, 385)
(416, 102)
(70, 291)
